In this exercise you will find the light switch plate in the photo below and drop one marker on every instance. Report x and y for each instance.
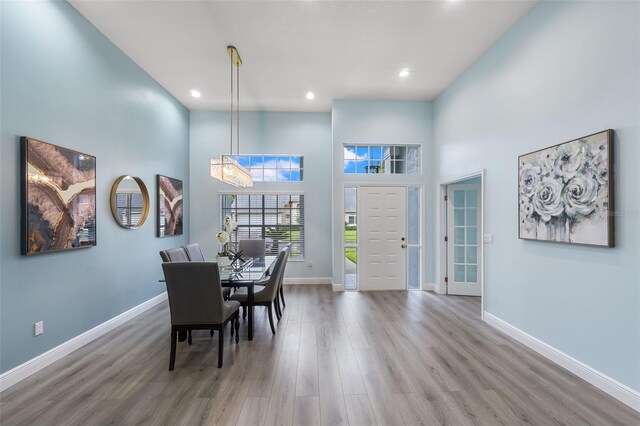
(488, 238)
(39, 328)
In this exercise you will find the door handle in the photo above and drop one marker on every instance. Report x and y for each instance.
(403, 246)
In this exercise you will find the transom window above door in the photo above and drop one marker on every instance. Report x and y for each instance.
(272, 168)
(382, 159)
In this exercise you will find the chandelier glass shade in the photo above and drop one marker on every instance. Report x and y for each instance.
(225, 168)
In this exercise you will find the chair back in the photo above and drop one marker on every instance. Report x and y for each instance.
(274, 279)
(194, 253)
(174, 255)
(252, 248)
(286, 251)
(194, 292)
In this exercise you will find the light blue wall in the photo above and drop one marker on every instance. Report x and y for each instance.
(567, 69)
(306, 134)
(63, 82)
(382, 122)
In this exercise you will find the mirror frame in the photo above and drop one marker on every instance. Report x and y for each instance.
(145, 201)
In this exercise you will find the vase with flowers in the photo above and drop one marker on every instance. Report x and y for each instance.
(224, 236)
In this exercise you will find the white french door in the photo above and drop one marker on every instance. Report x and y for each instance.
(463, 239)
(382, 240)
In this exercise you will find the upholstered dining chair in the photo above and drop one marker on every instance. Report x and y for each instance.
(265, 296)
(252, 248)
(174, 255)
(280, 291)
(196, 303)
(194, 253)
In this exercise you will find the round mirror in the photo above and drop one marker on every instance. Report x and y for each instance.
(129, 202)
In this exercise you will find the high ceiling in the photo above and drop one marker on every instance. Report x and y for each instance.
(337, 49)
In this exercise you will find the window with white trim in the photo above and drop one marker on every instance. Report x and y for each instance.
(382, 159)
(276, 218)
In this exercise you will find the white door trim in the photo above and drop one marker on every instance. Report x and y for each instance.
(423, 200)
(441, 220)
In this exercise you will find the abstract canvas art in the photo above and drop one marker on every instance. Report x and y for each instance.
(58, 198)
(565, 192)
(169, 206)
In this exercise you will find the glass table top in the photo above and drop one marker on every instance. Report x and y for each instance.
(250, 269)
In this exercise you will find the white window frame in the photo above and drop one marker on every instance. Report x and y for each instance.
(283, 192)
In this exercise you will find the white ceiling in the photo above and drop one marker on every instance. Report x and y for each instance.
(337, 49)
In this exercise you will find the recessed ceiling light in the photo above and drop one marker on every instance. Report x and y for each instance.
(404, 72)
(195, 93)
(310, 96)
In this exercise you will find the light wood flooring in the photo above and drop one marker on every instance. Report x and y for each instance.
(386, 358)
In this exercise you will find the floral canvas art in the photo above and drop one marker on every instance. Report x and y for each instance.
(565, 192)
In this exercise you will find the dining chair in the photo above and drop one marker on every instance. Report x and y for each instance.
(181, 254)
(196, 303)
(252, 248)
(194, 252)
(174, 255)
(266, 296)
(279, 292)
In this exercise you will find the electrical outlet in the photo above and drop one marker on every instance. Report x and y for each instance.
(488, 238)
(309, 265)
(39, 328)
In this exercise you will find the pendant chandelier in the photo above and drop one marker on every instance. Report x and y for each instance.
(225, 168)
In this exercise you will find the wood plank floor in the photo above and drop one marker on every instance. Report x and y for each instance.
(385, 358)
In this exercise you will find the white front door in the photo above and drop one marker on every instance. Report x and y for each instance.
(382, 238)
(463, 239)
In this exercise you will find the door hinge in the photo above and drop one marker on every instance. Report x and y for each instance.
(446, 198)
(446, 279)
(446, 239)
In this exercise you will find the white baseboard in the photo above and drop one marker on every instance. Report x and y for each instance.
(305, 281)
(337, 286)
(429, 286)
(600, 380)
(36, 364)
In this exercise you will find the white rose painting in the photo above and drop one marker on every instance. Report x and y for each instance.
(565, 192)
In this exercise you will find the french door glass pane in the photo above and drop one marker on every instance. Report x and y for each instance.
(472, 198)
(472, 254)
(458, 254)
(472, 217)
(458, 273)
(472, 236)
(472, 274)
(458, 198)
(458, 235)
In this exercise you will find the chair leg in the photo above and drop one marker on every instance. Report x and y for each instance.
(220, 346)
(212, 332)
(244, 312)
(273, 329)
(189, 340)
(276, 305)
(284, 305)
(236, 324)
(172, 356)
